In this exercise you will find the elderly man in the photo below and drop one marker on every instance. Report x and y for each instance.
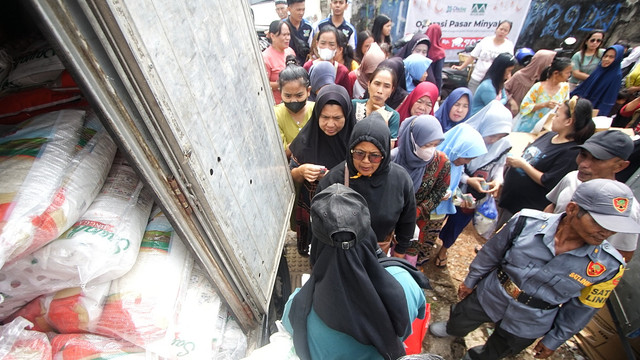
(544, 275)
(600, 157)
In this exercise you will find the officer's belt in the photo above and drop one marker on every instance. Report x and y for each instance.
(520, 296)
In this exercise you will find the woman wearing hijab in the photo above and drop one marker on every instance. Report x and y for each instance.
(353, 306)
(400, 92)
(415, 67)
(602, 86)
(361, 76)
(419, 102)
(455, 109)
(461, 144)
(419, 44)
(493, 122)
(520, 83)
(436, 52)
(385, 185)
(321, 74)
(319, 146)
(429, 169)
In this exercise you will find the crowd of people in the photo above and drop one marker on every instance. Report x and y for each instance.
(386, 169)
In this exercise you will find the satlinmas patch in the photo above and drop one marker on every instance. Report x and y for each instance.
(621, 204)
(595, 269)
(596, 295)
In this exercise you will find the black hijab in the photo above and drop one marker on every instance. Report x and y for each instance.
(418, 38)
(373, 129)
(349, 289)
(312, 145)
(400, 92)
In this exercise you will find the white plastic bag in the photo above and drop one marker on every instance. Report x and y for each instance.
(18, 343)
(101, 246)
(280, 346)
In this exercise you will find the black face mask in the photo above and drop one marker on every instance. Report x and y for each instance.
(295, 106)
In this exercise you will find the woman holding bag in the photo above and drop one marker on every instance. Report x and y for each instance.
(483, 175)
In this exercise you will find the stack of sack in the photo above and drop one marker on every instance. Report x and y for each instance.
(87, 269)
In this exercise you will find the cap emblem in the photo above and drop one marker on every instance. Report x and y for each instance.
(595, 269)
(621, 204)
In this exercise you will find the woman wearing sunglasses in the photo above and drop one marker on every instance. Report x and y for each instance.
(587, 58)
(320, 145)
(385, 185)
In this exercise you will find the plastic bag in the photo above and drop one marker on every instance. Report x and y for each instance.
(18, 343)
(280, 346)
(485, 218)
(90, 346)
(101, 246)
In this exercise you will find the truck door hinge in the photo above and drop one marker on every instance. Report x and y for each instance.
(182, 199)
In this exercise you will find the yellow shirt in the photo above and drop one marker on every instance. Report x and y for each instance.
(288, 127)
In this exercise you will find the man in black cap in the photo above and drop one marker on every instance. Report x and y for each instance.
(601, 157)
(544, 275)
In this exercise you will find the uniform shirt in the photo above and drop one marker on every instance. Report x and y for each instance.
(327, 343)
(347, 29)
(303, 32)
(581, 279)
(561, 195)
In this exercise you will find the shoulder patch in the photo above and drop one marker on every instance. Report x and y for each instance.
(595, 269)
(596, 295)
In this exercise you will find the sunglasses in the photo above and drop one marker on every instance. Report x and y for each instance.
(595, 40)
(360, 155)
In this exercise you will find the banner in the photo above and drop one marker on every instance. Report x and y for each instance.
(464, 22)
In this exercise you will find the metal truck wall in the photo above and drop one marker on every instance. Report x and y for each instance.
(181, 86)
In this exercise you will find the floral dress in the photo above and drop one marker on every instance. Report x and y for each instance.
(537, 95)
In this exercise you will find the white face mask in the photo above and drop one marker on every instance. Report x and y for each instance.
(425, 154)
(326, 54)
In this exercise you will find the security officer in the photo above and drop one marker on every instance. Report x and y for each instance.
(545, 275)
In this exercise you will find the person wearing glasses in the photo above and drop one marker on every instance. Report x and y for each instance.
(419, 102)
(320, 145)
(587, 58)
(386, 186)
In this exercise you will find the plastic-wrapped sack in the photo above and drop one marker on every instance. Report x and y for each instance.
(234, 341)
(76, 310)
(196, 339)
(485, 218)
(51, 169)
(35, 312)
(94, 347)
(101, 246)
(280, 346)
(142, 304)
(36, 66)
(17, 343)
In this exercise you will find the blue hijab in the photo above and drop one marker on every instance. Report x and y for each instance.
(442, 114)
(415, 131)
(492, 119)
(462, 141)
(602, 86)
(415, 65)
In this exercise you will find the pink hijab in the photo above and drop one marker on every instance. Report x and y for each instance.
(520, 83)
(436, 51)
(370, 61)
